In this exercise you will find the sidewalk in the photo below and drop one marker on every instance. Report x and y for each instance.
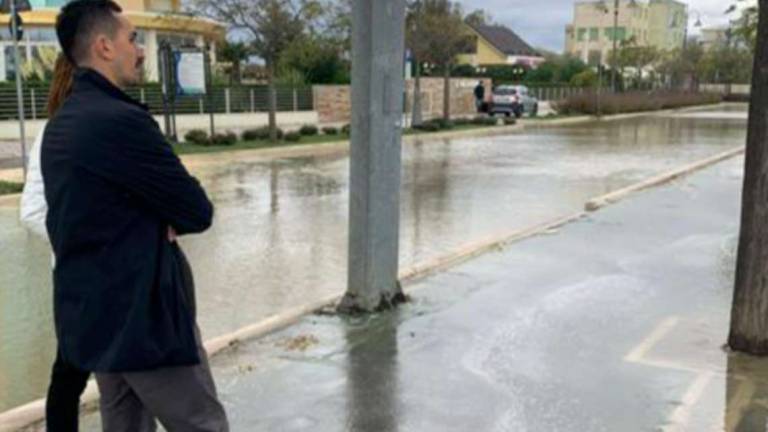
(614, 323)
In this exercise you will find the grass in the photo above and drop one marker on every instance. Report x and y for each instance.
(186, 148)
(7, 188)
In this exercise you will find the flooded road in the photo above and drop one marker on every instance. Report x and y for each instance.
(279, 238)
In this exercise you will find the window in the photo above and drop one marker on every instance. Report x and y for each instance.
(621, 33)
(582, 34)
(594, 34)
(10, 62)
(41, 34)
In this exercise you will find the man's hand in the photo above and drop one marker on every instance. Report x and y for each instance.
(172, 235)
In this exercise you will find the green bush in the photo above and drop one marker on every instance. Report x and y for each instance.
(484, 121)
(293, 137)
(10, 187)
(308, 130)
(346, 129)
(462, 121)
(427, 127)
(224, 139)
(260, 134)
(508, 121)
(331, 131)
(197, 136)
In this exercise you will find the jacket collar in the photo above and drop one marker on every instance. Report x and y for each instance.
(86, 77)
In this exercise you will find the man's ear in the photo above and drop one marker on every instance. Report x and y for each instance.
(104, 48)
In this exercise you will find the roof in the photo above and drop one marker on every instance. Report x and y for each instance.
(504, 40)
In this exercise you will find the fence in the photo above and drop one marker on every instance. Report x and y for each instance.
(224, 100)
(555, 93)
(726, 89)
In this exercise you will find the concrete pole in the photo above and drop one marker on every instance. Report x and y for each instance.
(378, 44)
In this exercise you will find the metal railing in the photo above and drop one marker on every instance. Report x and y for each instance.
(225, 100)
(555, 93)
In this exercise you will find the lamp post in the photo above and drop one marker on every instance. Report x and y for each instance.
(696, 24)
(604, 7)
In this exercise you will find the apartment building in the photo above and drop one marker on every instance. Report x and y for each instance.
(658, 23)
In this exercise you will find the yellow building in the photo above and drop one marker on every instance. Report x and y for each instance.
(657, 23)
(157, 21)
(498, 45)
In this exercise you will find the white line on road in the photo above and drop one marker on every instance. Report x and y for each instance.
(637, 355)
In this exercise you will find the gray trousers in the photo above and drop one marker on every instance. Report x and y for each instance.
(181, 398)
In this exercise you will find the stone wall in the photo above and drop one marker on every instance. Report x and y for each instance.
(333, 105)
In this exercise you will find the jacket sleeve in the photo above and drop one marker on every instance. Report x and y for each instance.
(129, 150)
(33, 205)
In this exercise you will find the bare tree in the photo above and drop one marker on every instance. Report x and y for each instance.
(749, 313)
(270, 26)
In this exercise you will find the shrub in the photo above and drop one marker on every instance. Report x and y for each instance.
(346, 129)
(427, 127)
(331, 131)
(462, 121)
(293, 137)
(224, 139)
(10, 187)
(308, 130)
(484, 121)
(510, 121)
(260, 134)
(197, 136)
(442, 123)
(586, 103)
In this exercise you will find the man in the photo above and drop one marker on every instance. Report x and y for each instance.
(117, 197)
(479, 96)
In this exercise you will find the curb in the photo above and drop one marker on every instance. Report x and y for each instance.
(34, 412)
(615, 196)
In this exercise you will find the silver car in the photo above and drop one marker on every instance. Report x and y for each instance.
(513, 99)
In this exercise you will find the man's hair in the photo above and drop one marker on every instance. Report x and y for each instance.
(80, 20)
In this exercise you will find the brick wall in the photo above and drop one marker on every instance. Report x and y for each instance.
(332, 103)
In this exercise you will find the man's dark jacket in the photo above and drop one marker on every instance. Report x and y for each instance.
(113, 187)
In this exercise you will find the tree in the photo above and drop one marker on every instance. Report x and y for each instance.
(234, 53)
(680, 65)
(746, 25)
(727, 64)
(749, 313)
(444, 36)
(317, 59)
(270, 26)
(478, 17)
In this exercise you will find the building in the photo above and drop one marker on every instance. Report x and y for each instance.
(658, 23)
(498, 45)
(157, 21)
(715, 37)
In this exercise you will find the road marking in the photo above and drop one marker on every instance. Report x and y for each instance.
(679, 419)
(637, 355)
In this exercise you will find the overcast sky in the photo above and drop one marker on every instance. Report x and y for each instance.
(542, 22)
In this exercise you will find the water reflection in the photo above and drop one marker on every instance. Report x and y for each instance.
(746, 407)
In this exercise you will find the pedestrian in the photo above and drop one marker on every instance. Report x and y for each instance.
(480, 96)
(67, 382)
(117, 198)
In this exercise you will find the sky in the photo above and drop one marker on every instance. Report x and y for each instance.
(542, 22)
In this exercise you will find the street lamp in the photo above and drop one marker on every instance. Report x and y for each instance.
(696, 24)
(604, 7)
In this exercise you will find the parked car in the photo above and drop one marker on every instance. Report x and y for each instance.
(513, 100)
